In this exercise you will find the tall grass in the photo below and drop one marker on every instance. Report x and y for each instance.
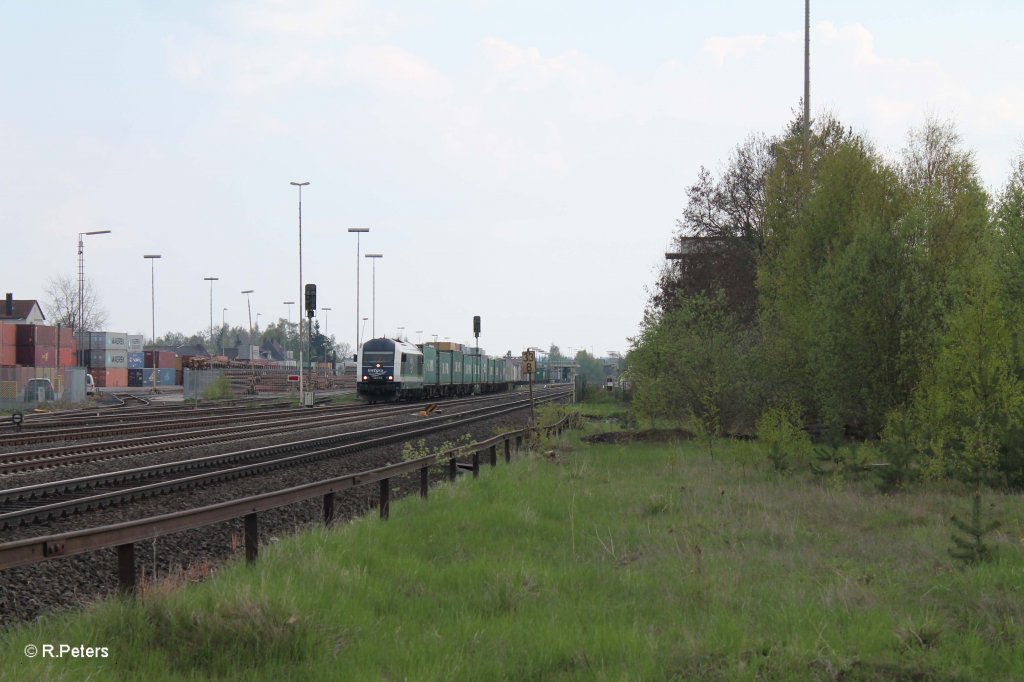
(610, 562)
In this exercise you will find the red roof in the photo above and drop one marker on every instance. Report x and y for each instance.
(22, 309)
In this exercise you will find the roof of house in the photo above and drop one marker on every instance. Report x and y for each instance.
(22, 309)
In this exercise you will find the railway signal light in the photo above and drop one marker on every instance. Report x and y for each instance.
(310, 300)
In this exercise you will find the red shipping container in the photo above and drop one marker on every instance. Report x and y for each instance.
(36, 335)
(8, 335)
(67, 338)
(37, 356)
(110, 378)
(147, 358)
(68, 357)
(8, 355)
(166, 359)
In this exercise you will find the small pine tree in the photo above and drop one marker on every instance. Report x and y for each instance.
(972, 550)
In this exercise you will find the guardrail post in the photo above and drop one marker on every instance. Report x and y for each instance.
(476, 463)
(508, 450)
(328, 508)
(385, 497)
(126, 568)
(424, 481)
(453, 470)
(252, 538)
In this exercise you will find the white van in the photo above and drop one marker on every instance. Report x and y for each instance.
(90, 385)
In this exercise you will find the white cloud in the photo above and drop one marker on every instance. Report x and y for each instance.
(395, 70)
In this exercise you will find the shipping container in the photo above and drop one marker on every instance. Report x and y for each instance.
(9, 355)
(36, 335)
(448, 345)
(108, 341)
(134, 378)
(36, 356)
(164, 377)
(136, 360)
(67, 357)
(110, 378)
(106, 359)
(134, 343)
(8, 334)
(66, 338)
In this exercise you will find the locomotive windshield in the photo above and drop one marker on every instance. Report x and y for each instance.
(382, 358)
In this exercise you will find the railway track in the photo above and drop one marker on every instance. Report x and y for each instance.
(290, 421)
(42, 502)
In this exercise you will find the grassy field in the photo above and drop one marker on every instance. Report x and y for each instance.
(583, 562)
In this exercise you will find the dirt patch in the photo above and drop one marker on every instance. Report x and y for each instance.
(648, 436)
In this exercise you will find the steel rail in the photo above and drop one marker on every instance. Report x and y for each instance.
(43, 458)
(124, 535)
(336, 445)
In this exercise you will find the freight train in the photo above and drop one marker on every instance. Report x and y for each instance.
(392, 369)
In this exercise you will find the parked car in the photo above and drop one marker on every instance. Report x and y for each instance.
(32, 390)
(90, 385)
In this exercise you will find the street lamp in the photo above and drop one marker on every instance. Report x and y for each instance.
(373, 314)
(81, 276)
(152, 291)
(300, 185)
(358, 231)
(211, 280)
(258, 322)
(419, 336)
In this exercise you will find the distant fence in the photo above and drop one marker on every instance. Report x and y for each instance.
(68, 386)
(263, 379)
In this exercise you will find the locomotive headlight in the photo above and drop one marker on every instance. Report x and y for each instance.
(366, 378)
(391, 378)
(378, 365)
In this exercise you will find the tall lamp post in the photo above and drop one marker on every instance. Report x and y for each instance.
(288, 331)
(419, 336)
(325, 309)
(81, 278)
(248, 304)
(358, 231)
(152, 291)
(211, 280)
(373, 314)
(300, 185)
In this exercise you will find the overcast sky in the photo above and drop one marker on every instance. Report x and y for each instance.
(522, 161)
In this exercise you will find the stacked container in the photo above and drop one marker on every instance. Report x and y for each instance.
(8, 344)
(106, 356)
(37, 345)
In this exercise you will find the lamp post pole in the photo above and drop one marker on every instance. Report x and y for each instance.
(211, 280)
(364, 328)
(152, 291)
(419, 336)
(289, 330)
(358, 231)
(300, 185)
(81, 279)
(325, 332)
(373, 314)
(248, 304)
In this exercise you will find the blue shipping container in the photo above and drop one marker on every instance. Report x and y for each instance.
(135, 360)
(164, 377)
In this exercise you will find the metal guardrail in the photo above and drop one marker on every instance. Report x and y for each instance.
(123, 536)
